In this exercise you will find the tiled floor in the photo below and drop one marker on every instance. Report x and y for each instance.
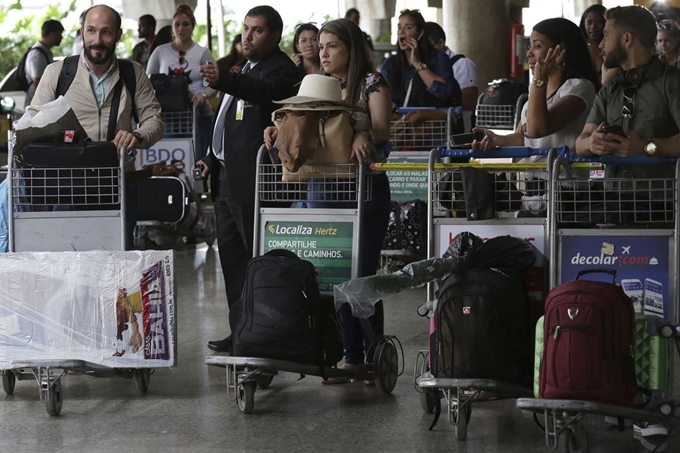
(187, 408)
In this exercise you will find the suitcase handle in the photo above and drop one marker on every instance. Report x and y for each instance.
(611, 272)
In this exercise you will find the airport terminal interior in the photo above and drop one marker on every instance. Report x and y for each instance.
(187, 408)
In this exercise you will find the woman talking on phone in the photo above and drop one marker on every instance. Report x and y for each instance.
(561, 93)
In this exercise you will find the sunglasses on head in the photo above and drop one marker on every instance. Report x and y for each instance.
(667, 25)
(182, 60)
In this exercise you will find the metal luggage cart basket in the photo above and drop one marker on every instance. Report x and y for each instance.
(180, 124)
(613, 201)
(504, 117)
(427, 135)
(507, 189)
(334, 226)
(45, 199)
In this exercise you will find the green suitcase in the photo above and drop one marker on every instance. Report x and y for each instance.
(651, 368)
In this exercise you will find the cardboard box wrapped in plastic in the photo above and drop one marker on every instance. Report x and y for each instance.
(115, 309)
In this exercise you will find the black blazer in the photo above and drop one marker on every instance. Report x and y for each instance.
(274, 78)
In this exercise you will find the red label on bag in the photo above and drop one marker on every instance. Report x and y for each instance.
(68, 136)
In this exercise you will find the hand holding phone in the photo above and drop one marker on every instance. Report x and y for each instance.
(205, 81)
(463, 140)
(614, 129)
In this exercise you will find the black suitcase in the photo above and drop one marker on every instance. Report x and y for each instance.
(162, 199)
(482, 327)
(281, 315)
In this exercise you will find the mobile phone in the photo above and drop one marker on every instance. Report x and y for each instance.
(653, 297)
(465, 139)
(634, 289)
(205, 81)
(614, 129)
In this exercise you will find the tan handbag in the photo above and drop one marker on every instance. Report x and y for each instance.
(333, 138)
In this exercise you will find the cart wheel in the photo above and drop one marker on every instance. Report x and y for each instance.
(386, 367)
(245, 396)
(54, 399)
(264, 380)
(142, 378)
(8, 381)
(573, 440)
(428, 400)
(461, 425)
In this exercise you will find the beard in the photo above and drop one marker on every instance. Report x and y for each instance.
(106, 55)
(615, 58)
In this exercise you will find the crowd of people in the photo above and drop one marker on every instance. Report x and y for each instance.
(618, 67)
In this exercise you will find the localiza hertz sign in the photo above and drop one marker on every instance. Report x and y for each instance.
(327, 245)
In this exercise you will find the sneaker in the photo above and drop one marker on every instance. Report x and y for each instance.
(646, 429)
(652, 444)
(615, 421)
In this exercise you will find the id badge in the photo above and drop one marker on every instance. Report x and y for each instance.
(240, 106)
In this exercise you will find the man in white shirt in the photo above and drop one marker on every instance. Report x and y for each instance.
(464, 69)
(40, 55)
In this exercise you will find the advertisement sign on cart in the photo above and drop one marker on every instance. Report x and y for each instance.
(641, 264)
(327, 245)
(167, 151)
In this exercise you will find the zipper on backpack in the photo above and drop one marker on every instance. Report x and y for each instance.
(557, 329)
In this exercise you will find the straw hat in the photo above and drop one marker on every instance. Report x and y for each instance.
(317, 88)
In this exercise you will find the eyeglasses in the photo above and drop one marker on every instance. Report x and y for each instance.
(182, 60)
(629, 102)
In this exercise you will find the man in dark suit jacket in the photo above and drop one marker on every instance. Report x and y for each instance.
(244, 112)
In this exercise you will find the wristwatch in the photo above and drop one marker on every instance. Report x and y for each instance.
(538, 83)
(421, 67)
(139, 137)
(649, 149)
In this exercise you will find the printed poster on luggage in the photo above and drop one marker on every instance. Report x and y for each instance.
(114, 309)
(327, 245)
(641, 264)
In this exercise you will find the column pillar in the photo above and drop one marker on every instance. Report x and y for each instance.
(480, 30)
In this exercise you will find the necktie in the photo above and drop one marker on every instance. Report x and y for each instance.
(218, 132)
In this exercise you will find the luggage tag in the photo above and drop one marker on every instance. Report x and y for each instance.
(240, 106)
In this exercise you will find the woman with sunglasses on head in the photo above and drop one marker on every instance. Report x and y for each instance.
(306, 49)
(419, 75)
(668, 43)
(561, 94)
(183, 56)
(342, 50)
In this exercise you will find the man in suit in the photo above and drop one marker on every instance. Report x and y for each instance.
(244, 112)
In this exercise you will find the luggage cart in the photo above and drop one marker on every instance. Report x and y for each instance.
(423, 138)
(174, 212)
(622, 216)
(519, 178)
(96, 221)
(245, 374)
(501, 119)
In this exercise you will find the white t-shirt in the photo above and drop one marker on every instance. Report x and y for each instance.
(566, 136)
(464, 71)
(165, 60)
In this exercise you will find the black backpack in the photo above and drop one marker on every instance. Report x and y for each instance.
(282, 316)
(23, 83)
(503, 92)
(482, 327)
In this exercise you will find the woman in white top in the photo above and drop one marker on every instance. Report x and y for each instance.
(561, 94)
(183, 56)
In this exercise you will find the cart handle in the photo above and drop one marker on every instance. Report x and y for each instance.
(405, 110)
(514, 152)
(635, 160)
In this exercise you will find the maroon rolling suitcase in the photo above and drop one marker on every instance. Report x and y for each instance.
(589, 338)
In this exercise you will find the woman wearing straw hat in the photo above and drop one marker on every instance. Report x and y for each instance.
(343, 56)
